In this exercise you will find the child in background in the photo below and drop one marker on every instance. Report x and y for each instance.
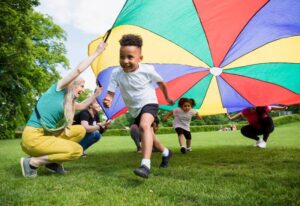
(260, 123)
(182, 119)
(135, 82)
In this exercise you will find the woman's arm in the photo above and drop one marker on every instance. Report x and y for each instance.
(63, 83)
(89, 128)
(279, 107)
(88, 101)
(235, 116)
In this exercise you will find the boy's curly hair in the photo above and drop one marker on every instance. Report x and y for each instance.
(131, 40)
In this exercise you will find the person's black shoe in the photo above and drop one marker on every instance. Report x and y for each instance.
(183, 150)
(55, 168)
(165, 160)
(142, 171)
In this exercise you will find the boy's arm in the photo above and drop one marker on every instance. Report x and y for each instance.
(163, 88)
(235, 116)
(170, 113)
(108, 99)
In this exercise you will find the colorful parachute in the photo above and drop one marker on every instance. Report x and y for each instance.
(227, 55)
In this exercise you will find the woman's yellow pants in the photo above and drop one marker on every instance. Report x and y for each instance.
(63, 147)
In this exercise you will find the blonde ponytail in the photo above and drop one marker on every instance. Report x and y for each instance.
(69, 107)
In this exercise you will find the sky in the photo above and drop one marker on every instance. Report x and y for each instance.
(83, 21)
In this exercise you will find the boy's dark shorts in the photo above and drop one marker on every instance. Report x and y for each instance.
(148, 108)
(186, 133)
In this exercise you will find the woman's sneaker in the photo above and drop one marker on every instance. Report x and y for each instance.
(189, 149)
(27, 171)
(55, 168)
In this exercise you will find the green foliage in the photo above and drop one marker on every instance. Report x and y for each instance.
(85, 94)
(31, 48)
(206, 128)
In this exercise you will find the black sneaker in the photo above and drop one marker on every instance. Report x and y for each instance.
(55, 168)
(142, 171)
(183, 150)
(165, 160)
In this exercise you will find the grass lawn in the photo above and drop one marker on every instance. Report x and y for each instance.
(223, 169)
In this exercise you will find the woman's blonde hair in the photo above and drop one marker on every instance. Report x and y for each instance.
(69, 107)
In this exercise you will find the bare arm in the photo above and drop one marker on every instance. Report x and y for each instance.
(235, 116)
(108, 99)
(163, 88)
(88, 101)
(63, 83)
(198, 116)
(89, 128)
(170, 113)
(279, 107)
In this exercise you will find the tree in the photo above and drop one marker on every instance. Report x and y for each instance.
(31, 50)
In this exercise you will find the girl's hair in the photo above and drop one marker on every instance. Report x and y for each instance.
(184, 100)
(69, 107)
(131, 40)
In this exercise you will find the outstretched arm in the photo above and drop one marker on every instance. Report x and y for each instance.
(235, 116)
(88, 101)
(163, 88)
(63, 83)
(170, 113)
(198, 116)
(279, 107)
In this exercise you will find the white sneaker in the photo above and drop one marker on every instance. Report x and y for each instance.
(262, 144)
(258, 142)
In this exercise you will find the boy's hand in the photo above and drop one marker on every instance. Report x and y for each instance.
(107, 102)
(170, 101)
(98, 91)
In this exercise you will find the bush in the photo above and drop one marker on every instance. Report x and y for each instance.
(203, 128)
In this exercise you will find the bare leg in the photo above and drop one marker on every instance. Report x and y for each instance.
(146, 134)
(39, 161)
(188, 143)
(181, 140)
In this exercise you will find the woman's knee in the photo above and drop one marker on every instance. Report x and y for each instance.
(75, 152)
(97, 136)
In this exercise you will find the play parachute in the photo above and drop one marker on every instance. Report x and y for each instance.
(227, 55)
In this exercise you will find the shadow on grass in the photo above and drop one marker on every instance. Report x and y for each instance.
(121, 164)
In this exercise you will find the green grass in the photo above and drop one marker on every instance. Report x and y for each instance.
(223, 169)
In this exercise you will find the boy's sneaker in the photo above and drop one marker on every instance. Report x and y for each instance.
(27, 171)
(55, 168)
(142, 171)
(189, 149)
(165, 160)
(182, 150)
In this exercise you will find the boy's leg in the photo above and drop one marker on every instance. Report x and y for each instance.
(146, 134)
(135, 135)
